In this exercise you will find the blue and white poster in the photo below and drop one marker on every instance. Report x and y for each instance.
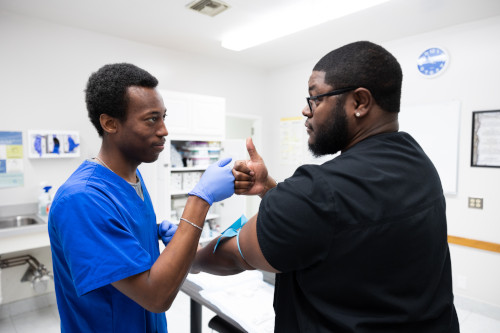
(11, 159)
(432, 62)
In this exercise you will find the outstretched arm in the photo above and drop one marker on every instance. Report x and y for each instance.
(156, 289)
(251, 176)
(227, 259)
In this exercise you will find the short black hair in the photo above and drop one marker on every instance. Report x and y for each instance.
(368, 65)
(106, 90)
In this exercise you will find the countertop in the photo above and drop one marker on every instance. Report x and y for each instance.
(26, 237)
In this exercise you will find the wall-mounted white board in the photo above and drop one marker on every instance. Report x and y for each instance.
(436, 128)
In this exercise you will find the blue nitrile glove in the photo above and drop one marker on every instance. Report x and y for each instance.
(166, 231)
(216, 183)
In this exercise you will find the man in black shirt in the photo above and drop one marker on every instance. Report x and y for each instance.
(359, 243)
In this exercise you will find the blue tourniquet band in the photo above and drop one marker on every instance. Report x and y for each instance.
(232, 231)
(238, 242)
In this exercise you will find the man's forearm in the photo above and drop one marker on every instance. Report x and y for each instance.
(225, 261)
(156, 289)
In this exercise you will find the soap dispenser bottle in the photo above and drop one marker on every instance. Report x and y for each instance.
(44, 201)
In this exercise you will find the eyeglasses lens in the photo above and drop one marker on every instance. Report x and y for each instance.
(312, 105)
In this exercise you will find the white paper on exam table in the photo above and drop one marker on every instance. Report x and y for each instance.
(245, 297)
(210, 281)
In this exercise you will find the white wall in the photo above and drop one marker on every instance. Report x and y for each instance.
(471, 78)
(44, 68)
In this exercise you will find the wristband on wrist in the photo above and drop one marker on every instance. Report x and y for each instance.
(194, 225)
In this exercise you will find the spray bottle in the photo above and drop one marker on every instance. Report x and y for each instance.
(44, 201)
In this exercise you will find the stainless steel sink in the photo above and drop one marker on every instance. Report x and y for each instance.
(20, 221)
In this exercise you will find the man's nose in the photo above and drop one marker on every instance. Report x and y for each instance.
(306, 112)
(162, 131)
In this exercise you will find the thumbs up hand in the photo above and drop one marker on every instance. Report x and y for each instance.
(251, 176)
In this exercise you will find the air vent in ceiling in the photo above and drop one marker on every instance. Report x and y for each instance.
(208, 7)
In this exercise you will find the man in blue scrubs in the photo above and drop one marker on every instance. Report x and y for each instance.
(108, 272)
(359, 243)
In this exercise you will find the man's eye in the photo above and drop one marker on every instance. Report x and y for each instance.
(316, 100)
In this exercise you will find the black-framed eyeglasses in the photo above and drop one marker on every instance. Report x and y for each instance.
(311, 101)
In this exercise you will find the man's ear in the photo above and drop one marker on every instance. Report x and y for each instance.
(108, 123)
(363, 102)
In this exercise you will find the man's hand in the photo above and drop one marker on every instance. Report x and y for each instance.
(251, 176)
(166, 231)
(216, 183)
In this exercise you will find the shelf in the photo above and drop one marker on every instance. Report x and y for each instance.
(178, 193)
(187, 164)
(195, 168)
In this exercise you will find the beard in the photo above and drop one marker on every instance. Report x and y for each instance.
(331, 137)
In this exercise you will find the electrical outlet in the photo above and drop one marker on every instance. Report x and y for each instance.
(476, 203)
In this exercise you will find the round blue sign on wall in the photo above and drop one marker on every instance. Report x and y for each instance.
(432, 62)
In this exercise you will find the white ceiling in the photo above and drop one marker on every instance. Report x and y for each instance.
(168, 23)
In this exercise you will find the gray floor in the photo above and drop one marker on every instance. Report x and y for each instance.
(46, 320)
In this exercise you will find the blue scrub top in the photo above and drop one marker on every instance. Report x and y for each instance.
(100, 232)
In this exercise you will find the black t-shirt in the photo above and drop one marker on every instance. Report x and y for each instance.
(361, 242)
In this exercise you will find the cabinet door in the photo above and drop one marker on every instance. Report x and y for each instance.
(178, 120)
(156, 177)
(194, 117)
(208, 116)
(155, 188)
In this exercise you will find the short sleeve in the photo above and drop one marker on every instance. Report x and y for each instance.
(295, 221)
(96, 241)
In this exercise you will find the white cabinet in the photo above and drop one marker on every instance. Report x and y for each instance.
(196, 127)
(188, 161)
(194, 117)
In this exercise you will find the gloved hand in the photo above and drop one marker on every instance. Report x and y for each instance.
(216, 183)
(166, 231)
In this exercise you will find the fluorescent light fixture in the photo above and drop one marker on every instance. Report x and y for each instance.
(298, 17)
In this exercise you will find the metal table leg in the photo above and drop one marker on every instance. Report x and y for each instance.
(195, 317)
